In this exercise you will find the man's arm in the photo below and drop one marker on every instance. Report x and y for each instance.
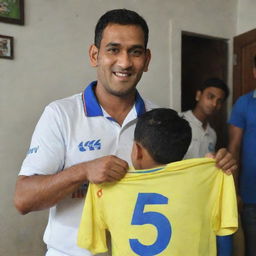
(235, 139)
(39, 192)
(225, 245)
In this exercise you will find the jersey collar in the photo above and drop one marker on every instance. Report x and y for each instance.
(92, 107)
(254, 94)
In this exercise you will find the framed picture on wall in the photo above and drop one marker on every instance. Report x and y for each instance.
(6, 47)
(12, 11)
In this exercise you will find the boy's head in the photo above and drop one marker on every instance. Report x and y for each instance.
(210, 96)
(120, 17)
(161, 136)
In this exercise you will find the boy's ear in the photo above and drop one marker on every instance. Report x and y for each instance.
(93, 54)
(137, 151)
(137, 155)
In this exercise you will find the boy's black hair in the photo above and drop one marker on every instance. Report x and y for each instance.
(121, 17)
(254, 61)
(215, 82)
(164, 134)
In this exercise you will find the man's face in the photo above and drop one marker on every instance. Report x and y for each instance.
(210, 100)
(121, 59)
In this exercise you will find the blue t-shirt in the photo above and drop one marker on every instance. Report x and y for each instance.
(244, 116)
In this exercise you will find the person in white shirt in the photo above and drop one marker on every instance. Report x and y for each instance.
(209, 99)
(88, 137)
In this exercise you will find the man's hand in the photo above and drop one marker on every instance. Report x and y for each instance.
(39, 192)
(105, 169)
(224, 160)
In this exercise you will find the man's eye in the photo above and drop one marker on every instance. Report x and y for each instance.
(112, 50)
(136, 52)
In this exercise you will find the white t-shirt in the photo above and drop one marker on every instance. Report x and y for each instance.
(70, 131)
(203, 140)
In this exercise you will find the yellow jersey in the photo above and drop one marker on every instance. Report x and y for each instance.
(173, 210)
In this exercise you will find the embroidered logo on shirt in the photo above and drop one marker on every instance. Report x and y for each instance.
(89, 145)
(81, 192)
(211, 147)
(33, 150)
(99, 193)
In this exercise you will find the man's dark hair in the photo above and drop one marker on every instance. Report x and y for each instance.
(121, 17)
(164, 134)
(254, 61)
(215, 82)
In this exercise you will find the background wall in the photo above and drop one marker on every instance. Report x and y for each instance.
(246, 16)
(51, 62)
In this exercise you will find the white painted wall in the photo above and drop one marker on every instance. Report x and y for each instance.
(51, 62)
(246, 18)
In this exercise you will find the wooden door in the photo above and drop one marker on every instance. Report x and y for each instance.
(204, 57)
(244, 51)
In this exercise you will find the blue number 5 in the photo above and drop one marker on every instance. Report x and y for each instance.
(157, 219)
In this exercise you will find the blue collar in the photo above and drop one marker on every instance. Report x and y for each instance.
(254, 94)
(147, 171)
(93, 108)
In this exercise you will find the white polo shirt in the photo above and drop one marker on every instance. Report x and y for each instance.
(203, 140)
(70, 131)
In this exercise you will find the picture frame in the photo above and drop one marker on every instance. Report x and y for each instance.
(6, 47)
(12, 11)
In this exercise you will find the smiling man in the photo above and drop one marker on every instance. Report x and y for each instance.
(88, 137)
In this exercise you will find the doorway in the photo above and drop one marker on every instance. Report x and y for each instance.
(244, 51)
(204, 57)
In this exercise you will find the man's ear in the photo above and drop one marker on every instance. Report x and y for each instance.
(198, 95)
(147, 61)
(93, 54)
(254, 72)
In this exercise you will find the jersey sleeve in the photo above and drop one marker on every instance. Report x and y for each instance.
(47, 149)
(92, 230)
(238, 113)
(225, 217)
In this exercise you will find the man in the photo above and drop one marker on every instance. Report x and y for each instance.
(170, 195)
(242, 132)
(209, 99)
(88, 137)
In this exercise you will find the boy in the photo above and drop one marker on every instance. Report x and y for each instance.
(154, 197)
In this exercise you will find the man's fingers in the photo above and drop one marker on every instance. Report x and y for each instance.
(229, 164)
(120, 162)
(224, 161)
(117, 172)
(222, 154)
(231, 169)
(108, 169)
(210, 155)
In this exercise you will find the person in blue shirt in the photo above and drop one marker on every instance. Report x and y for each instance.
(242, 142)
